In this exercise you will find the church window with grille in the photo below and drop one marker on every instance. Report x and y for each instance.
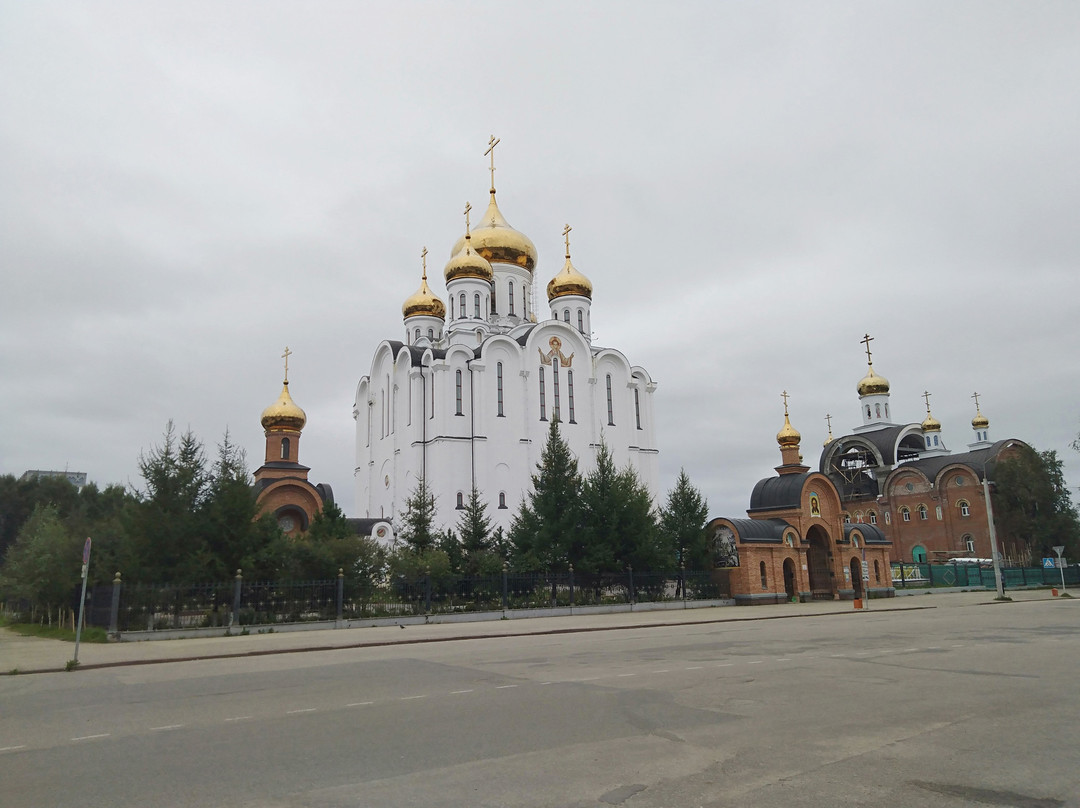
(570, 393)
(499, 387)
(543, 397)
(610, 410)
(476, 306)
(457, 391)
(555, 388)
(511, 297)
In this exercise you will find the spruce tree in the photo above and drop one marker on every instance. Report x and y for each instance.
(474, 526)
(418, 520)
(682, 524)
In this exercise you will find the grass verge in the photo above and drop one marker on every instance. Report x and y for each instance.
(89, 634)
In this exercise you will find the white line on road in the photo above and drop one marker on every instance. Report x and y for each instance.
(909, 650)
(958, 645)
(754, 661)
(504, 687)
(11, 748)
(624, 675)
(239, 718)
(589, 679)
(410, 698)
(304, 710)
(724, 664)
(167, 726)
(695, 667)
(359, 704)
(664, 670)
(92, 737)
(784, 659)
(455, 692)
(837, 656)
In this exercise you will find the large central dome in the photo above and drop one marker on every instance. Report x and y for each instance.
(494, 239)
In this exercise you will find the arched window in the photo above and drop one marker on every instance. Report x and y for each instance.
(416, 336)
(965, 508)
(877, 410)
(566, 315)
(460, 501)
(461, 305)
(764, 576)
(284, 448)
(886, 409)
(868, 411)
(511, 297)
(431, 333)
(570, 393)
(502, 499)
(888, 518)
(610, 410)
(457, 391)
(580, 321)
(451, 308)
(847, 518)
(871, 517)
(637, 408)
(905, 514)
(555, 388)
(476, 305)
(543, 397)
(922, 512)
(969, 543)
(499, 388)
(855, 542)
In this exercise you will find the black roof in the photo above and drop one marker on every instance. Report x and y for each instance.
(760, 530)
(977, 459)
(872, 533)
(778, 492)
(363, 526)
(416, 352)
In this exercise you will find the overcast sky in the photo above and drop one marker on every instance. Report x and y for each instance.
(187, 188)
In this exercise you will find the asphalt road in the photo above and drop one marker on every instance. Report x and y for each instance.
(940, 707)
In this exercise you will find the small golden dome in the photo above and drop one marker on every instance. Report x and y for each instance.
(980, 421)
(495, 240)
(423, 302)
(931, 424)
(468, 264)
(283, 413)
(872, 384)
(569, 282)
(789, 435)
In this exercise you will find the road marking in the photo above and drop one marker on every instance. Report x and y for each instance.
(455, 692)
(504, 687)
(11, 748)
(837, 656)
(410, 698)
(167, 726)
(695, 667)
(624, 675)
(545, 683)
(958, 645)
(784, 659)
(589, 679)
(933, 648)
(92, 737)
(239, 718)
(909, 650)
(754, 662)
(724, 664)
(359, 704)
(665, 670)
(304, 710)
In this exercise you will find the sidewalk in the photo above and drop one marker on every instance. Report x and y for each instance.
(36, 655)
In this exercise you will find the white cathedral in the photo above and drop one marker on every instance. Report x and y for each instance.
(467, 398)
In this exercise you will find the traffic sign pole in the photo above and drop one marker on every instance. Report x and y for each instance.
(82, 597)
(1059, 549)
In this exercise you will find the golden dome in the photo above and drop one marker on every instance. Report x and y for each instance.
(468, 264)
(423, 302)
(495, 240)
(283, 413)
(872, 384)
(931, 424)
(789, 435)
(569, 282)
(980, 421)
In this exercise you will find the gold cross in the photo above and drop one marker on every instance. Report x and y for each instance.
(285, 356)
(491, 150)
(976, 397)
(828, 420)
(468, 207)
(866, 341)
(566, 235)
(784, 396)
(423, 259)
(926, 398)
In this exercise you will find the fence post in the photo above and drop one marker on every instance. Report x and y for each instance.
(114, 611)
(427, 590)
(571, 587)
(340, 592)
(682, 582)
(903, 580)
(504, 600)
(630, 574)
(234, 619)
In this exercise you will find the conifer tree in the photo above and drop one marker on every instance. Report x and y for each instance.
(682, 524)
(418, 520)
(474, 526)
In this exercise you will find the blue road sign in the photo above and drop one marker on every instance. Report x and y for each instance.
(1049, 563)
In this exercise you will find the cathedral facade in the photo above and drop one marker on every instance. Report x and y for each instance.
(465, 398)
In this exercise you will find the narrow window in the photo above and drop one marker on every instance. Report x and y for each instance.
(965, 509)
(416, 335)
(284, 448)
(431, 333)
(566, 315)
(969, 543)
(905, 514)
(570, 393)
(877, 409)
(610, 411)
(888, 518)
(555, 386)
(847, 518)
(460, 501)
(431, 383)
(451, 307)
(922, 513)
(393, 409)
(872, 516)
(580, 321)
(499, 387)
(502, 499)
(543, 400)
(476, 306)
(524, 305)
(511, 298)
(637, 408)
(938, 513)
(764, 577)
(868, 411)
(457, 381)
(886, 409)
(461, 305)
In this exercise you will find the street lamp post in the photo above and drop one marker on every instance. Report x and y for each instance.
(993, 537)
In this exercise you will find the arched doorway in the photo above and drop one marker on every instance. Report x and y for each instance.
(918, 554)
(856, 578)
(789, 578)
(817, 563)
